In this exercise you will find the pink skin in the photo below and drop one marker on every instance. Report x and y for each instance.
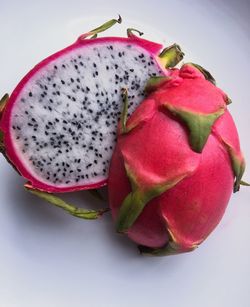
(158, 149)
(5, 123)
(207, 192)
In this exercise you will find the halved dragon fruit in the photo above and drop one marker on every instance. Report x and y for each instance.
(176, 163)
(59, 125)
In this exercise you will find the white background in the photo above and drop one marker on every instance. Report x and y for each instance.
(51, 259)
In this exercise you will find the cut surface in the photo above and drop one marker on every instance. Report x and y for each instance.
(64, 118)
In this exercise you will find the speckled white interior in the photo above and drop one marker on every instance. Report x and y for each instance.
(65, 119)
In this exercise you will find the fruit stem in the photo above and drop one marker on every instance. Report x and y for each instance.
(93, 33)
(171, 56)
(71, 209)
(124, 110)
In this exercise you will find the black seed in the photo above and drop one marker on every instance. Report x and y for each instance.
(30, 94)
(76, 67)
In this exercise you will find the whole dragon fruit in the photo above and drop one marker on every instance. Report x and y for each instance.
(176, 163)
(58, 128)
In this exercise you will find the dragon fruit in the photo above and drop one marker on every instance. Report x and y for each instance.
(176, 162)
(59, 125)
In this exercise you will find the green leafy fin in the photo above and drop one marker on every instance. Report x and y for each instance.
(172, 247)
(169, 249)
(138, 198)
(2, 147)
(3, 102)
(238, 166)
(228, 100)
(93, 33)
(171, 56)
(205, 73)
(154, 83)
(71, 209)
(199, 125)
(244, 183)
(124, 115)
